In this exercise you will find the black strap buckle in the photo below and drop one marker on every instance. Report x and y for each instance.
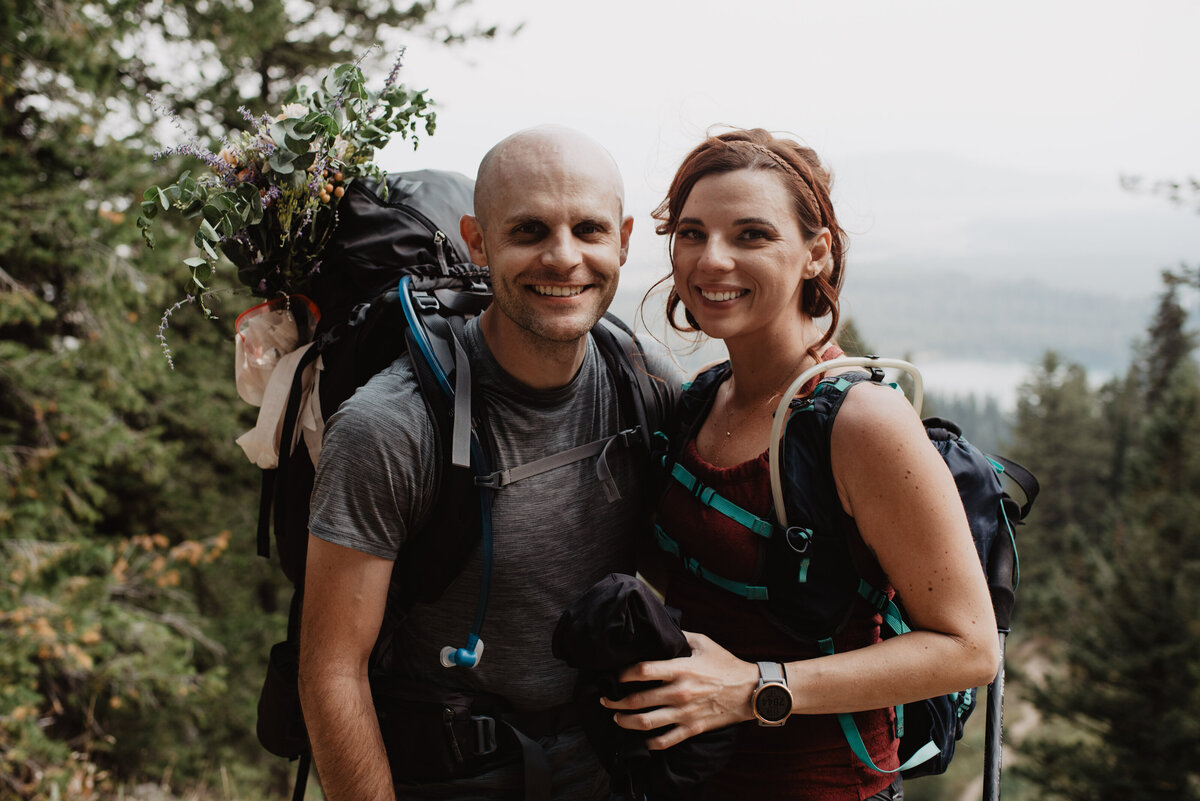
(426, 301)
(485, 735)
(490, 481)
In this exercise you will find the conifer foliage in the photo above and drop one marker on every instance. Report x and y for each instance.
(1122, 708)
(134, 618)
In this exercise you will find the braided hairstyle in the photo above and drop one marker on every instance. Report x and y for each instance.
(808, 182)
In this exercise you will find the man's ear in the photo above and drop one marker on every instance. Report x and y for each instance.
(626, 230)
(472, 234)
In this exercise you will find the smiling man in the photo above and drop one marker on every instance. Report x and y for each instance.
(549, 224)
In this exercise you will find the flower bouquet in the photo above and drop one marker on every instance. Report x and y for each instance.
(268, 200)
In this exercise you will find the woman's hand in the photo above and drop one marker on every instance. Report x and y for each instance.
(707, 690)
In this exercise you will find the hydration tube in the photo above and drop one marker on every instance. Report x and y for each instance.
(469, 655)
(781, 411)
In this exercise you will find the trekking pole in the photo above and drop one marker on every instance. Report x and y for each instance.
(1001, 569)
(993, 738)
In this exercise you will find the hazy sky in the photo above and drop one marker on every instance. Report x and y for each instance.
(986, 139)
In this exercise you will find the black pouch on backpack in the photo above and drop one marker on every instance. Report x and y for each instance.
(281, 727)
(939, 721)
(428, 731)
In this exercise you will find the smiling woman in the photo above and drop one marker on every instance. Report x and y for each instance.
(757, 256)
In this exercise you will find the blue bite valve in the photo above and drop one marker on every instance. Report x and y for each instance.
(463, 657)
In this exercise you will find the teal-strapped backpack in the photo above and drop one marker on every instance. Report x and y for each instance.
(807, 581)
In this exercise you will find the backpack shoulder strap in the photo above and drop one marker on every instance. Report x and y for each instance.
(694, 405)
(1025, 481)
(626, 360)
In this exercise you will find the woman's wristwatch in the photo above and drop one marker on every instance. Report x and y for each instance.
(772, 700)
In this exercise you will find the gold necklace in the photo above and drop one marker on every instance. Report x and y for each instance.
(757, 408)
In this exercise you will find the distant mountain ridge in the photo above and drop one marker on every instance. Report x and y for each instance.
(953, 316)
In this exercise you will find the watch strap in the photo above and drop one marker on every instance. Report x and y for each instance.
(771, 672)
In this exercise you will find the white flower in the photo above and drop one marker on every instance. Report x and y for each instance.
(292, 110)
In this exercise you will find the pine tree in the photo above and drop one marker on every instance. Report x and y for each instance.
(134, 617)
(1060, 436)
(1122, 714)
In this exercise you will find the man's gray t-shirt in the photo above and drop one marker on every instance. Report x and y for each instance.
(555, 533)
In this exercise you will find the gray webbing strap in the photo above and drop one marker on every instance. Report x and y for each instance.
(460, 437)
(611, 493)
(502, 478)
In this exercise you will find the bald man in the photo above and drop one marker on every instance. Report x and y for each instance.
(549, 224)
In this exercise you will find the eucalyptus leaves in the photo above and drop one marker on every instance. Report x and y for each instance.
(268, 198)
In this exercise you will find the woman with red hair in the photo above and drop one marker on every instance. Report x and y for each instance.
(757, 260)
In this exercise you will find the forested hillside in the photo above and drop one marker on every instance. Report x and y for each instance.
(1102, 699)
(1110, 560)
(134, 616)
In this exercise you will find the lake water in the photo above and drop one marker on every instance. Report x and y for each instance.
(946, 377)
(961, 378)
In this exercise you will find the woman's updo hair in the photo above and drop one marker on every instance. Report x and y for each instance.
(805, 178)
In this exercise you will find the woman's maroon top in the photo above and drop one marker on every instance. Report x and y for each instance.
(807, 758)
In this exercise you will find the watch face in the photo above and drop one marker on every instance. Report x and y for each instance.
(773, 703)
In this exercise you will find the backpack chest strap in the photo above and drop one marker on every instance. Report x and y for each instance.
(752, 592)
(712, 499)
(600, 447)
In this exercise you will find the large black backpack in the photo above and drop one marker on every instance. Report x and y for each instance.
(808, 581)
(396, 279)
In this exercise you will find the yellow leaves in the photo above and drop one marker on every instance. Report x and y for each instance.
(115, 702)
(168, 579)
(188, 551)
(91, 636)
(48, 651)
(195, 551)
(220, 544)
(79, 656)
(43, 630)
(148, 542)
(23, 712)
(114, 217)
